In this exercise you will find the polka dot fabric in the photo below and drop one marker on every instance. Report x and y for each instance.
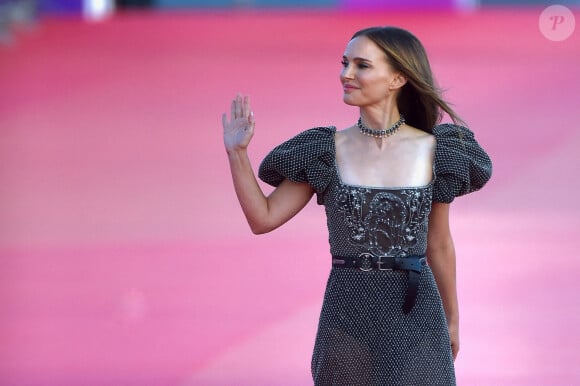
(307, 157)
(363, 337)
(461, 165)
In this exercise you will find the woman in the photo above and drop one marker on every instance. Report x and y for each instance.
(390, 313)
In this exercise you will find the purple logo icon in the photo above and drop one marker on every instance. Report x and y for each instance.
(557, 23)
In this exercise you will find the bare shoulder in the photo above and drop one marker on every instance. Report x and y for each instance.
(343, 136)
(418, 134)
(420, 138)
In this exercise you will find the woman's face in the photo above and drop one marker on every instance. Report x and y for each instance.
(367, 78)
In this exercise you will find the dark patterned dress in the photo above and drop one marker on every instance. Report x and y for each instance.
(364, 338)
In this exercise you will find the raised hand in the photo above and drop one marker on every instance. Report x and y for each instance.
(239, 130)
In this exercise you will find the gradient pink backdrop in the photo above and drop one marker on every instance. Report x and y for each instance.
(125, 259)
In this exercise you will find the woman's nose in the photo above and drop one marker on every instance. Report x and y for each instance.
(346, 73)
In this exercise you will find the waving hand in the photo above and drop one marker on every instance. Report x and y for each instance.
(238, 131)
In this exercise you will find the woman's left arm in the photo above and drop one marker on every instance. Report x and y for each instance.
(441, 257)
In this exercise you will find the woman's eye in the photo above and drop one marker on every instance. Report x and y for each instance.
(358, 65)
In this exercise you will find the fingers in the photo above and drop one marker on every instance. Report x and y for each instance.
(240, 107)
(249, 112)
(251, 119)
(455, 348)
(246, 106)
(233, 110)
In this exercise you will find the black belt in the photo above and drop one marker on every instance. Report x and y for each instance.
(369, 262)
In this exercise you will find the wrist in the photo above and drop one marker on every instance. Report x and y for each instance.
(453, 319)
(236, 152)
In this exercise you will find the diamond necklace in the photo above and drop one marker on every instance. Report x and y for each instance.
(381, 133)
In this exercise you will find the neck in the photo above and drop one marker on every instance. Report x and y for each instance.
(379, 120)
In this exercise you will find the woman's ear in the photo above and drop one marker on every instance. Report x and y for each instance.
(398, 81)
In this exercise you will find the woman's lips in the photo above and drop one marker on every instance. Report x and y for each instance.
(349, 88)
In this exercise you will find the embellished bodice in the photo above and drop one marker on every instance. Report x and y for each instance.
(381, 221)
(384, 222)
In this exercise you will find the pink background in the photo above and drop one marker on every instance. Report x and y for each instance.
(125, 259)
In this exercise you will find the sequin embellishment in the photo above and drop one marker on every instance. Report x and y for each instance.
(385, 222)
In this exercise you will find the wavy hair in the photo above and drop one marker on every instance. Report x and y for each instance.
(419, 100)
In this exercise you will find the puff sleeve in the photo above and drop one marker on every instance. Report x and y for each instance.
(461, 166)
(308, 157)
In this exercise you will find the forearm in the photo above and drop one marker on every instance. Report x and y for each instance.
(443, 264)
(252, 200)
(263, 213)
(441, 256)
